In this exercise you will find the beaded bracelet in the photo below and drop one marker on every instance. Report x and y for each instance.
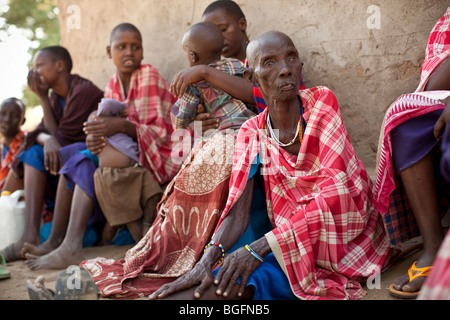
(212, 243)
(254, 253)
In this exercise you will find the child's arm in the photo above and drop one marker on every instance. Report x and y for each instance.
(234, 86)
(185, 109)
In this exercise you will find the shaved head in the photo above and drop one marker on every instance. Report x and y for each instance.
(203, 42)
(255, 47)
(274, 64)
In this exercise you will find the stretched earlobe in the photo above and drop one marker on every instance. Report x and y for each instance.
(249, 75)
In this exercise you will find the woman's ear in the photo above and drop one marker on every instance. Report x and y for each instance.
(249, 75)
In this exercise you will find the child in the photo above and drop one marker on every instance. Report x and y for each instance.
(203, 44)
(121, 151)
(135, 190)
(12, 117)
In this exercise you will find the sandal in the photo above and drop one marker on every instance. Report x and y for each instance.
(4, 274)
(413, 273)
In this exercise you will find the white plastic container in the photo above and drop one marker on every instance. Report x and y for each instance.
(12, 218)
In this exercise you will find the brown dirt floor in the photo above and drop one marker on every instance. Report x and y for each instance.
(14, 287)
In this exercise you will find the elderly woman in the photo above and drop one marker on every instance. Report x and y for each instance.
(325, 234)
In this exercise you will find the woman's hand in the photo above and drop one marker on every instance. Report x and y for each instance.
(239, 263)
(95, 144)
(200, 274)
(186, 77)
(101, 126)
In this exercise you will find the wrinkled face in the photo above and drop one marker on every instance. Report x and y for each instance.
(276, 67)
(11, 118)
(126, 51)
(47, 67)
(233, 31)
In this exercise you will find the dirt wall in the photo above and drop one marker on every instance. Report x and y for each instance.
(367, 52)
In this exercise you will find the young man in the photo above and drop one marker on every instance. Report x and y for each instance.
(71, 101)
(12, 117)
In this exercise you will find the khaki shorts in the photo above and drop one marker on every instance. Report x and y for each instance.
(123, 193)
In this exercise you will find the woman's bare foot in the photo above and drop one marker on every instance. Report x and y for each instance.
(402, 283)
(61, 258)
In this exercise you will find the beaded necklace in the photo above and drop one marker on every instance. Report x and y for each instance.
(271, 134)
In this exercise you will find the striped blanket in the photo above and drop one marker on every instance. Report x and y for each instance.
(326, 234)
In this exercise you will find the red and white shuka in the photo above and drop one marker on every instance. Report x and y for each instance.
(149, 103)
(326, 235)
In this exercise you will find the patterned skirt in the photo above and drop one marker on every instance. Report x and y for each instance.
(187, 217)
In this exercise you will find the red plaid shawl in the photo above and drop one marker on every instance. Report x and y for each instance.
(388, 191)
(149, 103)
(326, 233)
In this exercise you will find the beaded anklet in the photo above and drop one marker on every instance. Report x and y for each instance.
(212, 243)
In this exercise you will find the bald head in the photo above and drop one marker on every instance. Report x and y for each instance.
(204, 40)
(274, 64)
(256, 46)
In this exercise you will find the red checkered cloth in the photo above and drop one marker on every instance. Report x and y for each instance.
(10, 155)
(149, 103)
(437, 284)
(326, 234)
(388, 191)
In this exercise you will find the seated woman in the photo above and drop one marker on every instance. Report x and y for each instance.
(325, 233)
(409, 187)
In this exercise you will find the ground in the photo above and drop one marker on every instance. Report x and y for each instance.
(14, 287)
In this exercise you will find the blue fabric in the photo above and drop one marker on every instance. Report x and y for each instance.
(445, 159)
(91, 156)
(413, 139)
(34, 156)
(89, 240)
(4, 151)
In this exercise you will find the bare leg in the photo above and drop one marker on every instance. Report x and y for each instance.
(139, 228)
(35, 183)
(420, 188)
(59, 222)
(12, 183)
(69, 252)
(150, 212)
